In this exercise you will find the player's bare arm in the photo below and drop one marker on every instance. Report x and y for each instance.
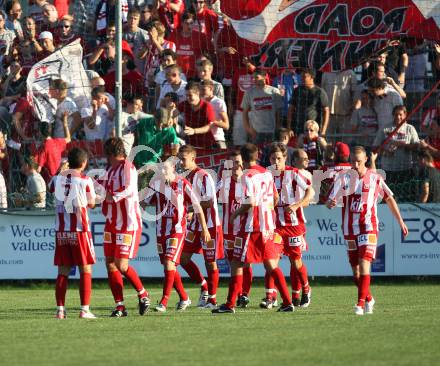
(391, 202)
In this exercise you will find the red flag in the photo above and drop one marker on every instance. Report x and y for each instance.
(329, 35)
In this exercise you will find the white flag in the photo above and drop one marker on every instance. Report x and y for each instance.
(65, 64)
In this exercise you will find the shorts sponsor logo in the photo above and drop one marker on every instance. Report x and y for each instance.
(367, 239)
(190, 236)
(277, 239)
(172, 243)
(229, 244)
(295, 241)
(159, 248)
(238, 244)
(107, 237)
(351, 245)
(124, 239)
(210, 245)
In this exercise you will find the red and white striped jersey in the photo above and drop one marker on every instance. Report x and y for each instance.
(229, 195)
(359, 210)
(291, 187)
(258, 189)
(172, 202)
(122, 212)
(330, 173)
(72, 194)
(205, 190)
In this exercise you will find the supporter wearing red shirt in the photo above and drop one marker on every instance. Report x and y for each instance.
(62, 7)
(199, 115)
(50, 153)
(432, 143)
(24, 121)
(170, 12)
(132, 80)
(190, 45)
(206, 19)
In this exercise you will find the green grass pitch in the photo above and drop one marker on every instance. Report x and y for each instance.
(404, 330)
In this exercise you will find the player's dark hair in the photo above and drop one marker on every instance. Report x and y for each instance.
(283, 132)
(249, 152)
(235, 152)
(76, 157)
(296, 153)
(376, 83)
(169, 52)
(193, 86)
(187, 149)
(114, 146)
(277, 147)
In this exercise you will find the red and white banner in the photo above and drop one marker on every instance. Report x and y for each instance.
(328, 35)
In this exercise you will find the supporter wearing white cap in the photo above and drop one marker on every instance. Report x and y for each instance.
(46, 41)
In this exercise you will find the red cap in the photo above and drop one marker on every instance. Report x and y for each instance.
(125, 46)
(342, 150)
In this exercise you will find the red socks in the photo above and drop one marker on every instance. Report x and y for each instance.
(368, 298)
(247, 281)
(296, 283)
(269, 284)
(213, 278)
(178, 286)
(235, 285)
(195, 274)
(85, 288)
(116, 285)
(280, 282)
(363, 289)
(136, 282)
(168, 283)
(302, 275)
(60, 289)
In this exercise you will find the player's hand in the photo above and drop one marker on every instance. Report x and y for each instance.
(404, 228)
(206, 236)
(292, 208)
(331, 204)
(373, 156)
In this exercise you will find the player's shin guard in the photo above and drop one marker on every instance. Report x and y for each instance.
(213, 278)
(168, 283)
(132, 276)
(235, 285)
(85, 288)
(303, 278)
(60, 289)
(363, 289)
(296, 283)
(116, 286)
(178, 286)
(280, 282)
(269, 284)
(195, 274)
(247, 281)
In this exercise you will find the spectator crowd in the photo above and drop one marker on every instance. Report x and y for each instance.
(186, 81)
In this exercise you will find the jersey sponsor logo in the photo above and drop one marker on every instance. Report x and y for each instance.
(356, 205)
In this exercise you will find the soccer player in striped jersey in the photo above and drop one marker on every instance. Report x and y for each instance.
(295, 192)
(173, 196)
(229, 193)
(361, 189)
(254, 240)
(123, 225)
(74, 193)
(205, 190)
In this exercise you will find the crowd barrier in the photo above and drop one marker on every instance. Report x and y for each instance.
(27, 245)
